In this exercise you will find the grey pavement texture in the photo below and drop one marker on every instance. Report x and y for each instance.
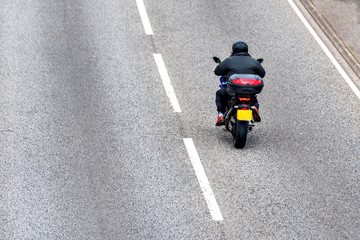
(344, 17)
(90, 147)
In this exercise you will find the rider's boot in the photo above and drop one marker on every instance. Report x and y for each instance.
(256, 114)
(220, 121)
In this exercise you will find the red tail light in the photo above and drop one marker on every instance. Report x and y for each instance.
(242, 81)
(244, 99)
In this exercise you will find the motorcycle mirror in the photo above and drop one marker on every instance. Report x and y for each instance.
(260, 60)
(217, 60)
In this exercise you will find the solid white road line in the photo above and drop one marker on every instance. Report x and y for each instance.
(325, 49)
(166, 82)
(144, 17)
(203, 180)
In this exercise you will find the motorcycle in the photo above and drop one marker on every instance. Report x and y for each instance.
(240, 117)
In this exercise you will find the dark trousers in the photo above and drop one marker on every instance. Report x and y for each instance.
(222, 98)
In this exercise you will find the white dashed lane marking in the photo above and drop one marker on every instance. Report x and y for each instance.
(166, 82)
(190, 146)
(203, 180)
(144, 17)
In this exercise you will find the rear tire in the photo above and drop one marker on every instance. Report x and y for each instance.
(240, 133)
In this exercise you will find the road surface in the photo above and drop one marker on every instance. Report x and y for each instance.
(92, 147)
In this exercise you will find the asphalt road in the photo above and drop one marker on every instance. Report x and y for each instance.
(91, 148)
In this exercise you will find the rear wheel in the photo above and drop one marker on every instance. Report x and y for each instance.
(240, 133)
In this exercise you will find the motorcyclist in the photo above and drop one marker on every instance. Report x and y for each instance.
(239, 62)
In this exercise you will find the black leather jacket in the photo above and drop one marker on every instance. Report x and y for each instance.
(241, 63)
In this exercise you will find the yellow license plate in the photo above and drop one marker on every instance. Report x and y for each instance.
(244, 115)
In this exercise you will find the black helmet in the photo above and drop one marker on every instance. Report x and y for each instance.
(240, 46)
